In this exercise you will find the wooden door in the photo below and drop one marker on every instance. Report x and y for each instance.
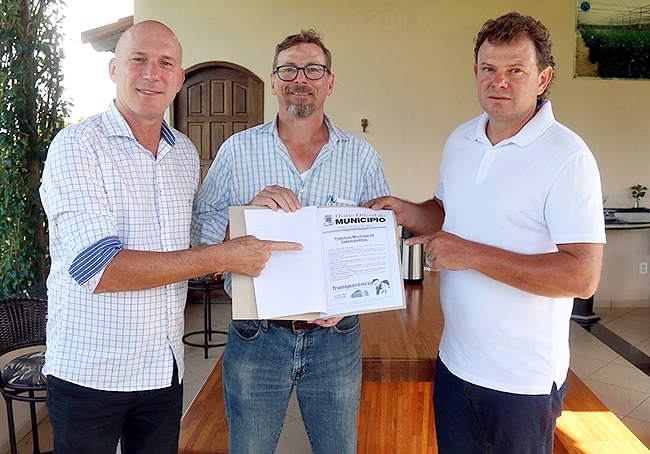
(217, 100)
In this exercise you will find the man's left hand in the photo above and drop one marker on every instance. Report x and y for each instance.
(446, 251)
(326, 323)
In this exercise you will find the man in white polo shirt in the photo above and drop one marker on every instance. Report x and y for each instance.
(516, 229)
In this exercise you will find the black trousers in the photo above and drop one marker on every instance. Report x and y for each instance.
(90, 421)
(471, 419)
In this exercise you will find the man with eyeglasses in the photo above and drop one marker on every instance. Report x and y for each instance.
(298, 159)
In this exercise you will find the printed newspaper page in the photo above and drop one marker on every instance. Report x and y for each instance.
(360, 259)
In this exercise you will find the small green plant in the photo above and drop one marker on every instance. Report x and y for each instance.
(638, 191)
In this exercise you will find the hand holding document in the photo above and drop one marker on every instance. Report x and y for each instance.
(349, 263)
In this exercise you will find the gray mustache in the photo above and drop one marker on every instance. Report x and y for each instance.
(298, 90)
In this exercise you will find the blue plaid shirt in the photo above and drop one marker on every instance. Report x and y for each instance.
(102, 192)
(347, 171)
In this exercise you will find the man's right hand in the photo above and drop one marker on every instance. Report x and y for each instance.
(248, 255)
(276, 197)
(397, 206)
(420, 218)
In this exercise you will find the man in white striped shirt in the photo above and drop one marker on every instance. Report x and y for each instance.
(298, 159)
(118, 191)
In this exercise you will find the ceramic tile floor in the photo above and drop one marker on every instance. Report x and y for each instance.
(620, 385)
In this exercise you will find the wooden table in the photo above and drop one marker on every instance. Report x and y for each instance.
(396, 410)
(399, 353)
(402, 346)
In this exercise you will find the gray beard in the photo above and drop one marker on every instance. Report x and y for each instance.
(300, 110)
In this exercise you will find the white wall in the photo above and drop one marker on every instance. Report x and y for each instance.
(621, 285)
(407, 68)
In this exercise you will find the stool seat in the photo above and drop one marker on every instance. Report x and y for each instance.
(25, 372)
(23, 324)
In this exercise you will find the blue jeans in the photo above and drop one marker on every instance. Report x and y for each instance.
(262, 364)
(471, 419)
(90, 421)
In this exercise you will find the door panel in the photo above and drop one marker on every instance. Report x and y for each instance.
(218, 99)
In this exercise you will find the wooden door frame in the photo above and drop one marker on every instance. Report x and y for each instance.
(221, 64)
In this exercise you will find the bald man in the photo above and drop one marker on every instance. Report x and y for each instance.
(118, 190)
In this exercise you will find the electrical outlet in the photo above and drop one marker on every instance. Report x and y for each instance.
(643, 267)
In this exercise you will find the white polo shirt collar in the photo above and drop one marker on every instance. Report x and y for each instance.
(531, 131)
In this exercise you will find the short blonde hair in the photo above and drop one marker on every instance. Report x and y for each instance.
(305, 36)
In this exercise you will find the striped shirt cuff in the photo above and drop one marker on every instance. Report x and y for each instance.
(92, 260)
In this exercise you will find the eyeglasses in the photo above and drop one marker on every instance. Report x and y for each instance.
(288, 73)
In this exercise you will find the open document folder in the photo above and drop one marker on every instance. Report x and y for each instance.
(349, 263)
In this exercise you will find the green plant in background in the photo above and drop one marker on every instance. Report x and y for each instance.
(638, 192)
(619, 51)
(31, 113)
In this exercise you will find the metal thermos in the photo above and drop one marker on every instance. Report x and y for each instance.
(412, 260)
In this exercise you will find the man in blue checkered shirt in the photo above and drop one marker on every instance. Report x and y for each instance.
(118, 191)
(298, 159)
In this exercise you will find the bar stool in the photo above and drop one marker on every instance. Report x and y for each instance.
(583, 311)
(205, 284)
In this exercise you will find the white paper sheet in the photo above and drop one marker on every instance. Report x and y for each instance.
(290, 280)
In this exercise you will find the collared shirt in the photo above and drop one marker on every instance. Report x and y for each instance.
(347, 171)
(525, 194)
(102, 192)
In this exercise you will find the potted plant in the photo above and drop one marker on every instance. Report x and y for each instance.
(638, 191)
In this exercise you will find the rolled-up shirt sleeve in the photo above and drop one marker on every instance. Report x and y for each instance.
(92, 260)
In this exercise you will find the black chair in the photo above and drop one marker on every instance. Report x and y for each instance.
(22, 324)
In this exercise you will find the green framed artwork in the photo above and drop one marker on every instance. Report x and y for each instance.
(612, 39)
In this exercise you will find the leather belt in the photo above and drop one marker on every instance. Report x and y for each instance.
(294, 325)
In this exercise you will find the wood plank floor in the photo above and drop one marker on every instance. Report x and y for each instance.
(396, 418)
